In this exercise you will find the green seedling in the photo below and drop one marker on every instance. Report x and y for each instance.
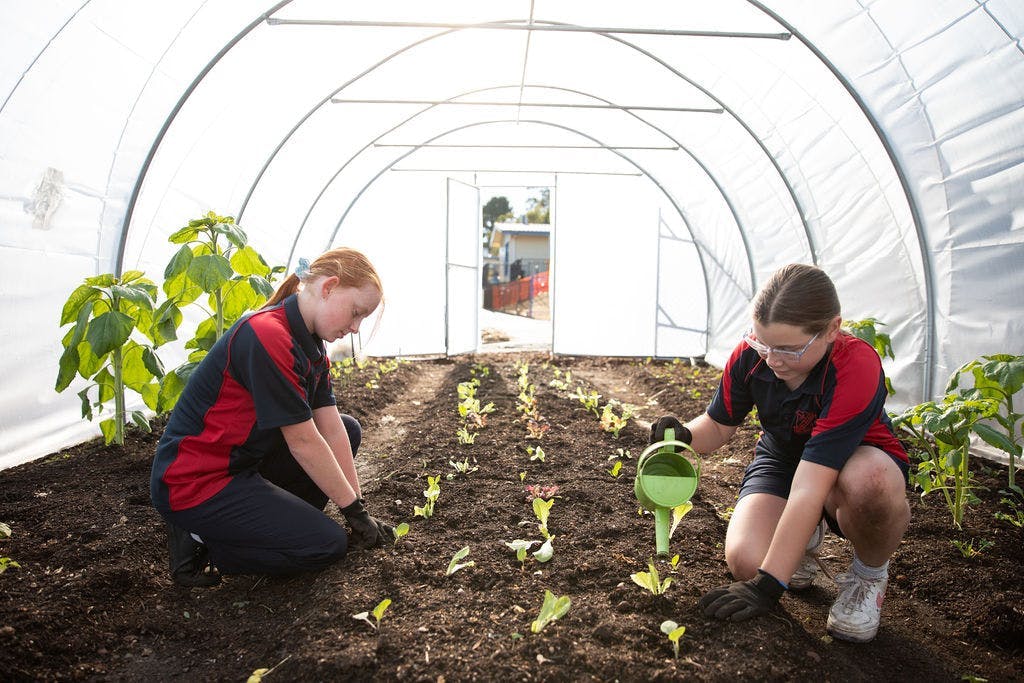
(462, 467)
(257, 675)
(552, 609)
(378, 614)
(541, 509)
(621, 454)
(480, 369)
(546, 551)
(521, 547)
(674, 632)
(535, 453)
(616, 469)
(651, 580)
(400, 530)
(465, 436)
(589, 400)
(674, 562)
(678, 512)
(968, 550)
(6, 562)
(454, 565)
(1016, 515)
(431, 493)
(522, 477)
(612, 423)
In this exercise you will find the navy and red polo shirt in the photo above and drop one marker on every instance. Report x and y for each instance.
(839, 406)
(266, 372)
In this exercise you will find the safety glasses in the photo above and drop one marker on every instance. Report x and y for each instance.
(763, 349)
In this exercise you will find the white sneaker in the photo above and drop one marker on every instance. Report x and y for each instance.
(857, 611)
(808, 569)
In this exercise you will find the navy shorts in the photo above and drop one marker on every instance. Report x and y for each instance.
(770, 473)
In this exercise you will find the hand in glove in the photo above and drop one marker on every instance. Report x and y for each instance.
(664, 422)
(367, 532)
(743, 599)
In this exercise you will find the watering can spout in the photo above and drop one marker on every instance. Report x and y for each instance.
(664, 479)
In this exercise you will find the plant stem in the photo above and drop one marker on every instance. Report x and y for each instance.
(119, 410)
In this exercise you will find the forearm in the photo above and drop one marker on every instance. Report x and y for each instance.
(328, 422)
(317, 459)
(708, 435)
(811, 485)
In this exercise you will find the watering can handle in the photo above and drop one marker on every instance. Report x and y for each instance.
(657, 446)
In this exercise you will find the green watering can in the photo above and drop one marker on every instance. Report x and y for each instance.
(664, 479)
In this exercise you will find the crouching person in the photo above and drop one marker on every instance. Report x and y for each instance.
(256, 447)
(827, 457)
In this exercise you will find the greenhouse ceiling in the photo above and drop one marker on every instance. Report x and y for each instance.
(691, 149)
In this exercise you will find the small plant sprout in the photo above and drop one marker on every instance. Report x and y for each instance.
(521, 547)
(466, 437)
(377, 613)
(610, 422)
(400, 530)
(621, 454)
(616, 469)
(968, 550)
(538, 491)
(674, 632)
(1016, 516)
(536, 453)
(589, 400)
(674, 562)
(257, 675)
(454, 565)
(462, 467)
(431, 493)
(522, 476)
(552, 609)
(535, 429)
(678, 512)
(651, 580)
(6, 562)
(542, 508)
(546, 551)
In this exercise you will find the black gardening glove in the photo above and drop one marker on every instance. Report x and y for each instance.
(664, 422)
(367, 532)
(743, 599)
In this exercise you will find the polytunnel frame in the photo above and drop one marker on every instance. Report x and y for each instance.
(680, 145)
(602, 145)
(928, 265)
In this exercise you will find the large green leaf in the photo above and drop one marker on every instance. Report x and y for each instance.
(141, 421)
(246, 261)
(82, 295)
(102, 280)
(107, 388)
(166, 320)
(109, 429)
(151, 396)
(239, 298)
(262, 287)
(999, 439)
(131, 276)
(210, 271)
(206, 335)
(83, 396)
(68, 368)
(234, 233)
(185, 235)
(152, 362)
(181, 289)
(88, 362)
(1007, 370)
(178, 263)
(109, 331)
(137, 294)
(134, 372)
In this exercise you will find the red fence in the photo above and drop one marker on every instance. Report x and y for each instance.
(499, 297)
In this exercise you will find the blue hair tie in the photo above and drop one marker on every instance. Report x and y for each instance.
(303, 269)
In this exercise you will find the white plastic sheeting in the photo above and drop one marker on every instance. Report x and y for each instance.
(882, 140)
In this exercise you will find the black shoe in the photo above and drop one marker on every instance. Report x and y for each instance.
(190, 561)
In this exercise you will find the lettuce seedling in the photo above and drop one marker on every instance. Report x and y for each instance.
(465, 436)
(378, 614)
(678, 512)
(538, 491)
(400, 530)
(542, 508)
(546, 551)
(463, 467)
(651, 580)
(536, 453)
(454, 565)
(610, 422)
(968, 550)
(6, 562)
(674, 632)
(535, 429)
(616, 469)
(521, 547)
(431, 493)
(552, 609)
(589, 400)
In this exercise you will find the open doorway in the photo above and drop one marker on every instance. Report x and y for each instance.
(516, 266)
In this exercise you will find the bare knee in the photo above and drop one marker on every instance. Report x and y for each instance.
(742, 564)
(874, 497)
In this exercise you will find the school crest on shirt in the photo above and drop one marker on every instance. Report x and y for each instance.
(803, 422)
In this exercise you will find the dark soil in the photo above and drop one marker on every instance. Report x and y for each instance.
(92, 598)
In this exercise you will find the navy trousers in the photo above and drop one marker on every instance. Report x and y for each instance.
(270, 521)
